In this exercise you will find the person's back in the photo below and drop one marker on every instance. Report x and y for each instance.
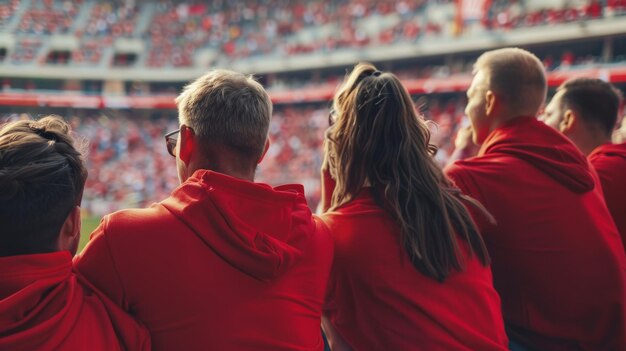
(556, 253)
(586, 111)
(223, 263)
(558, 263)
(398, 307)
(43, 305)
(609, 160)
(410, 270)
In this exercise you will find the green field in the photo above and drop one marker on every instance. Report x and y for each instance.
(89, 224)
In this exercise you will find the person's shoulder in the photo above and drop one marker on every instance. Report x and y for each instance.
(338, 216)
(489, 164)
(113, 325)
(355, 216)
(608, 154)
(471, 175)
(136, 220)
(322, 229)
(460, 172)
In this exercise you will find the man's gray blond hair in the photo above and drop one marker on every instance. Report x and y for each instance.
(517, 76)
(227, 108)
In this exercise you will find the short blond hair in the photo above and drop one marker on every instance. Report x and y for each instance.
(228, 108)
(517, 76)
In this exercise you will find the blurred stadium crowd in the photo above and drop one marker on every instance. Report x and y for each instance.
(127, 159)
(129, 165)
(173, 31)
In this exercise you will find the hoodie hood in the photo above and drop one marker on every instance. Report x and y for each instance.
(260, 230)
(611, 150)
(39, 301)
(44, 306)
(544, 148)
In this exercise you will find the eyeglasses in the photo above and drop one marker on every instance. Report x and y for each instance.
(170, 142)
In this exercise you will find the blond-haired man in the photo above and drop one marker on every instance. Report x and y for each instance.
(223, 263)
(558, 261)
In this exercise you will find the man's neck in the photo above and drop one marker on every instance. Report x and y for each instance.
(227, 168)
(590, 142)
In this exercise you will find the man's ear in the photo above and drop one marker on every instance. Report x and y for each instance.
(490, 102)
(569, 118)
(187, 142)
(267, 146)
(69, 236)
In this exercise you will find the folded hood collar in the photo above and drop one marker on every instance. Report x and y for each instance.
(544, 148)
(615, 150)
(260, 230)
(39, 300)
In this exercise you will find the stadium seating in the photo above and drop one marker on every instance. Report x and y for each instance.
(174, 32)
(127, 159)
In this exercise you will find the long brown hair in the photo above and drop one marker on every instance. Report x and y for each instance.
(379, 139)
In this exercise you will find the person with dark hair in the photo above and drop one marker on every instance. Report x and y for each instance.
(411, 271)
(223, 263)
(558, 261)
(42, 303)
(586, 111)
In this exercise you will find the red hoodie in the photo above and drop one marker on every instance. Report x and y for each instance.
(609, 160)
(378, 300)
(44, 307)
(222, 264)
(557, 258)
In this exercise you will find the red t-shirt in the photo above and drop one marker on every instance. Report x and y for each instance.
(44, 307)
(222, 264)
(609, 160)
(557, 258)
(378, 300)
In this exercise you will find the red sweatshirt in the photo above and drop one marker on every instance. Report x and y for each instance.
(379, 301)
(44, 307)
(222, 264)
(557, 258)
(609, 160)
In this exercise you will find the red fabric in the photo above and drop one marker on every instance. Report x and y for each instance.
(44, 307)
(609, 160)
(377, 300)
(557, 259)
(222, 264)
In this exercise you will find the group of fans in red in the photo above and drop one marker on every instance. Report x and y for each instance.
(514, 246)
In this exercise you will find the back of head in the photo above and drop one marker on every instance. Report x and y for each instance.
(42, 177)
(595, 101)
(379, 139)
(518, 77)
(230, 109)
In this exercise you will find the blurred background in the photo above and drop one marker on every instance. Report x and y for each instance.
(113, 68)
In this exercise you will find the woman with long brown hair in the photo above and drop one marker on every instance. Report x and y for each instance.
(411, 271)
